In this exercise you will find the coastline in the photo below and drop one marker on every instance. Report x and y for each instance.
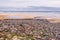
(20, 15)
(28, 27)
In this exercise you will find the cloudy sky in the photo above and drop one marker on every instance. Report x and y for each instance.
(27, 3)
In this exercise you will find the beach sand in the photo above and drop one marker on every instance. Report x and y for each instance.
(26, 16)
(54, 20)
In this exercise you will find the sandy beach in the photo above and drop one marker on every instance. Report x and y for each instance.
(22, 15)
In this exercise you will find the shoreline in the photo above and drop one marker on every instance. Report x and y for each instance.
(52, 19)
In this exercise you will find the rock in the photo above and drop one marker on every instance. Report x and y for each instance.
(9, 36)
(2, 38)
(15, 38)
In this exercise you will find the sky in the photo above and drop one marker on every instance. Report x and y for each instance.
(27, 3)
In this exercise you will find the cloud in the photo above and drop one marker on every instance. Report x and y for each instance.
(26, 3)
